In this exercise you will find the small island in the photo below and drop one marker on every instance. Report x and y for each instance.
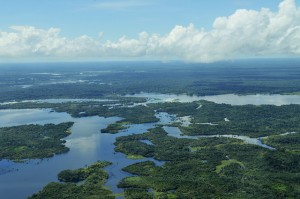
(85, 183)
(115, 127)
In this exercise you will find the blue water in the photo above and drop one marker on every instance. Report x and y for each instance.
(175, 132)
(86, 144)
(233, 99)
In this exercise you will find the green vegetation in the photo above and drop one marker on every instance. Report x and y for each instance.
(91, 181)
(240, 77)
(137, 194)
(115, 127)
(226, 163)
(33, 141)
(134, 148)
(193, 168)
(135, 157)
(220, 167)
(289, 142)
(84, 173)
(249, 120)
(133, 115)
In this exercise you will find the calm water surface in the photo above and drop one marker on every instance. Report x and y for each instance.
(59, 101)
(232, 99)
(175, 132)
(87, 144)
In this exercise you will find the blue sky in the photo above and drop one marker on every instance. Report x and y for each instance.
(113, 19)
(120, 17)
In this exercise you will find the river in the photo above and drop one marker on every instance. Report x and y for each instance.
(87, 144)
(233, 99)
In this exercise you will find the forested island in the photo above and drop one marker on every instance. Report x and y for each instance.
(115, 127)
(33, 141)
(189, 164)
(207, 118)
(91, 179)
(223, 167)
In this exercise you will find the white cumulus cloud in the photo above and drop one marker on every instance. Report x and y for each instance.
(245, 33)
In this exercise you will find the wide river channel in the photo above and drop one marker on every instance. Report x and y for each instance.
(87, 144)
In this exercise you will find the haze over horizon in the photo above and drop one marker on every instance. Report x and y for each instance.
(190, 31)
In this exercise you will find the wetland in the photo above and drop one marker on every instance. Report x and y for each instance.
(225, 134)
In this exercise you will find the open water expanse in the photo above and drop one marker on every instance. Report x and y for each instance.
(233, 99)
(87, 144)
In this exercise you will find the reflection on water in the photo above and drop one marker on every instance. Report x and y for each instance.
(232, 99)
(165, 118)
(86, 144)
(15, 117)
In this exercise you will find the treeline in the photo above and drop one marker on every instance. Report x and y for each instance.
(218, 78)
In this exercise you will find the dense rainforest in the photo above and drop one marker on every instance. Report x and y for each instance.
(193, 165)
(33, 141)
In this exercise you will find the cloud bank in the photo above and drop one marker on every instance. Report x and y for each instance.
(245, 33)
